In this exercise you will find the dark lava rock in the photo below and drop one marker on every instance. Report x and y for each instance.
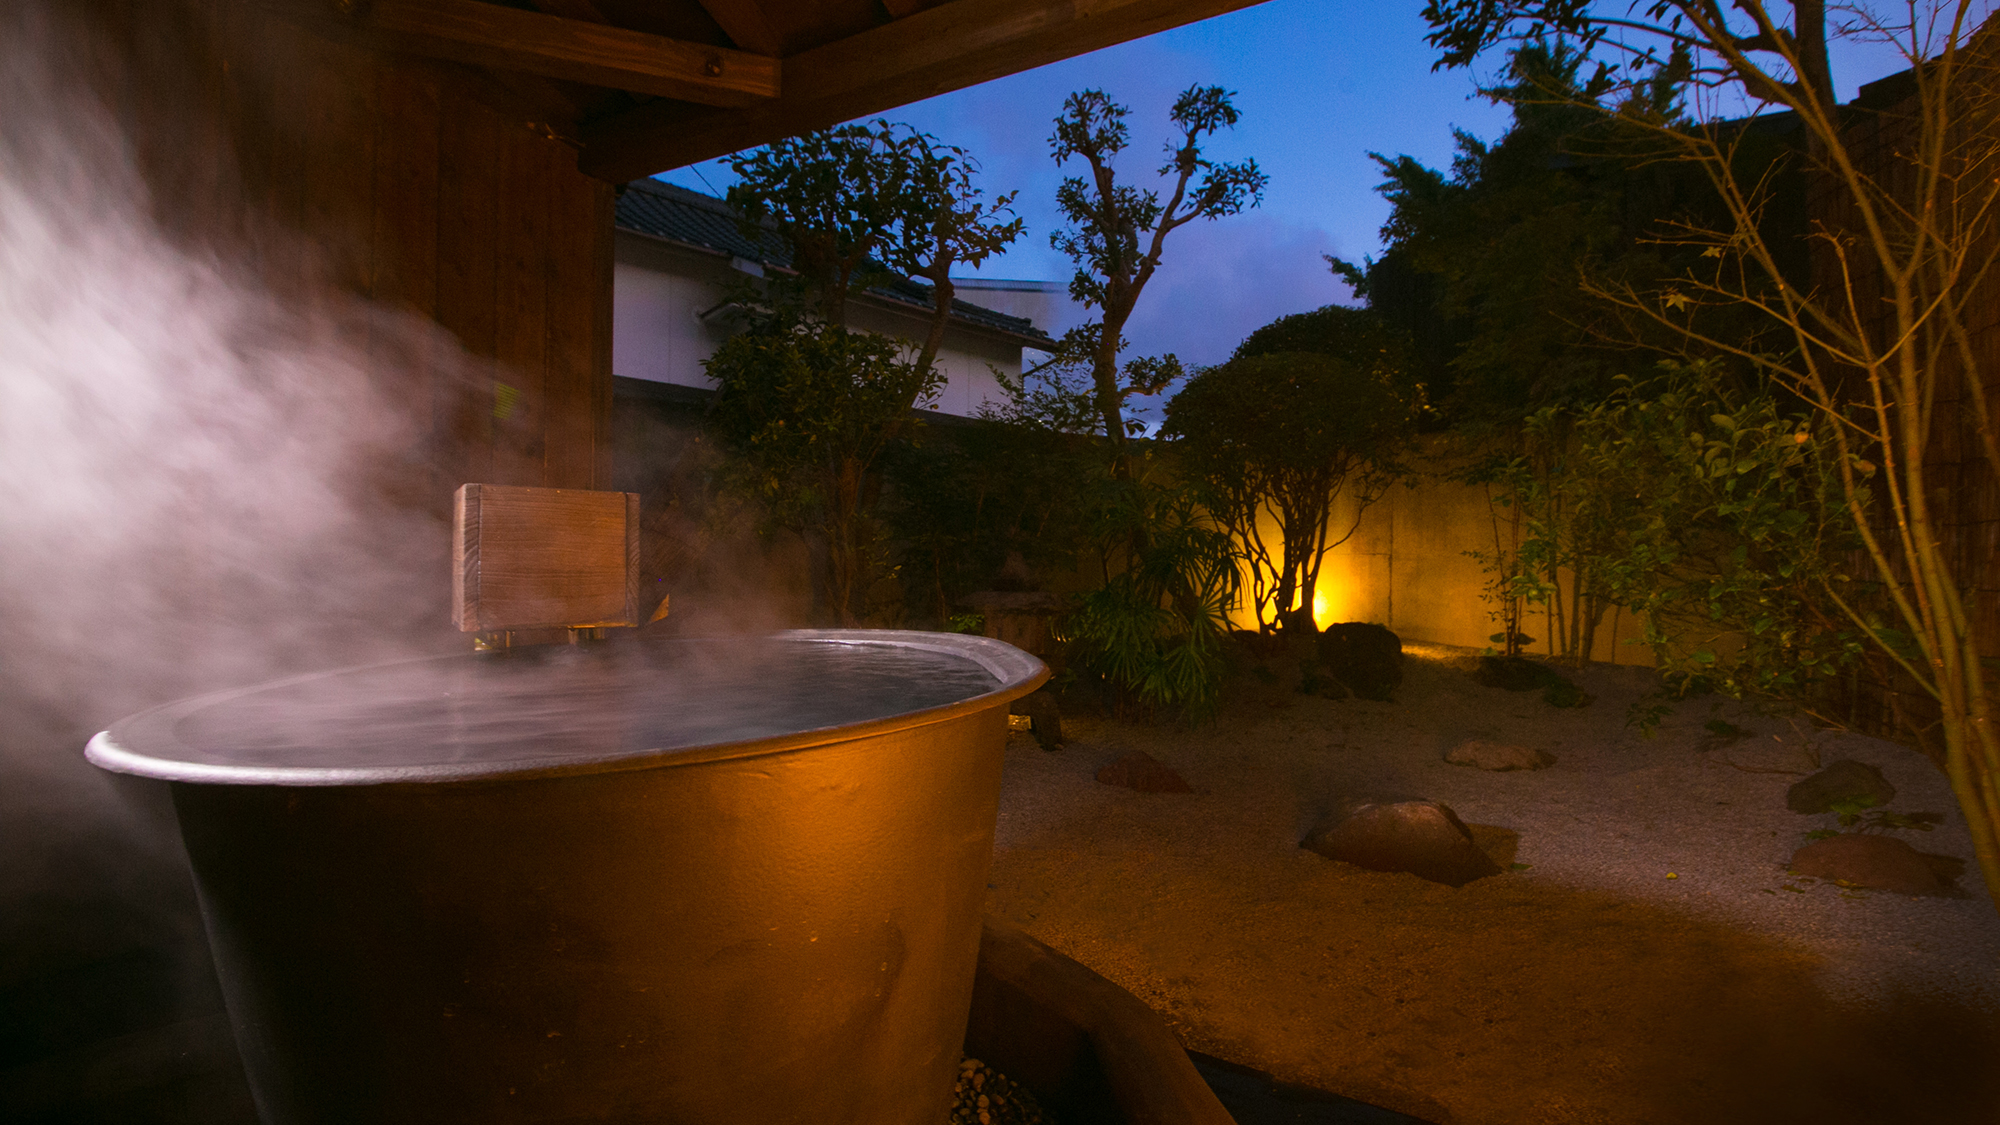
(1041, 710)
(1366, 658)
(1843, 781)
(1140, 770)
(1514, 673)
(1422, 837)
(1881, 862)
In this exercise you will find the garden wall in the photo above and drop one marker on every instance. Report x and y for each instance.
(1406, 567)
(1965, 489)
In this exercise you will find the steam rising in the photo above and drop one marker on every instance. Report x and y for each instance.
(192, 495)
(185, 458)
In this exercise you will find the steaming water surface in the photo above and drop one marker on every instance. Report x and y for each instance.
(485, 715)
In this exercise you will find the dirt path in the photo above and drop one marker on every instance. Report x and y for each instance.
(1587, 988)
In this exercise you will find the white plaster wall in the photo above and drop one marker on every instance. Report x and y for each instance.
(658, 293)
(660, 290)
(965, 358)
(1047, 303)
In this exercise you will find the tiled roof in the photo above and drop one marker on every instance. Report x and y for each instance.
(676, 214)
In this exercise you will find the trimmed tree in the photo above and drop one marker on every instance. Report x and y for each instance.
(1277, 439)
(1119, 232)
(810, 406)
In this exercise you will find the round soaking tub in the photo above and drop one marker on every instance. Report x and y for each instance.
(697, 881)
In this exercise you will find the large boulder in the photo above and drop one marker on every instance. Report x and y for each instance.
(1845, 781)
(1145, 773)
(1488, 755)
(1424, 838)
(1882, 862)
(1366, 658)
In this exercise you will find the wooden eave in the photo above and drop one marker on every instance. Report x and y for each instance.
(665, 83)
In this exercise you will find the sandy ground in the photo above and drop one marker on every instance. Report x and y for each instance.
(1589, 987)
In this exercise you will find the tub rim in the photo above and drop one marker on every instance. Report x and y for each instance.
(114, 749)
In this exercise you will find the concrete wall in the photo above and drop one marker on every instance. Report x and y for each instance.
(660, 290)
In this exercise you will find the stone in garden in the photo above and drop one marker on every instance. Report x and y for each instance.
(1366, 658)
(1424, 838)
(1514, 673)
(1040, 708)
(1499, 756)
(1140, 770)
(1882, 862)
(1845, 780)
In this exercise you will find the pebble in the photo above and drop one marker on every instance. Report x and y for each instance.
(985, 1096)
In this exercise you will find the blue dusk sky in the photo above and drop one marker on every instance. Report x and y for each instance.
(1319, 86)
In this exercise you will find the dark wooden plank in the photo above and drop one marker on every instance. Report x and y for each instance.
(469, 185)
(339, 136)
(543, 557)
(405, 241)
(633, 610)
(521, 299)
(410, 362)
(465, 558)
(578, 381)
(577, 50)
(951, 46)
(747, 25)
(583, 10)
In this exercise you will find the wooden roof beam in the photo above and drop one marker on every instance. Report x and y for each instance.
(597, 54)
(585, 10)
(953, 45)
(747, 25)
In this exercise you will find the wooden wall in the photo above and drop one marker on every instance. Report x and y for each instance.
(1964, 488)
(427, 188)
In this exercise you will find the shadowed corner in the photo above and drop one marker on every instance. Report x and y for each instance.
(109, 1007)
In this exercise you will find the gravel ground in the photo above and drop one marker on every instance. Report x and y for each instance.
(1587, 987)
(1620, 811)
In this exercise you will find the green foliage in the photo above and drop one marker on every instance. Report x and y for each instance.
(803, 400)
(1484, 262)
(1155, 632)
(859, 203)
(1861, 815)
(1736, 537)
(808, 407)
(1563, 692)
(1283, 435)
(836, 196)
(1118, 232)
(966, 496)
(1358, 336)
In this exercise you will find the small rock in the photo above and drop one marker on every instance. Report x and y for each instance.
(1141, 771)
(1424, 838)
(1514, 673)
(1041, 710)
(1881, 862)
(1498, 755)
(1843, 781)
(1367, 658)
